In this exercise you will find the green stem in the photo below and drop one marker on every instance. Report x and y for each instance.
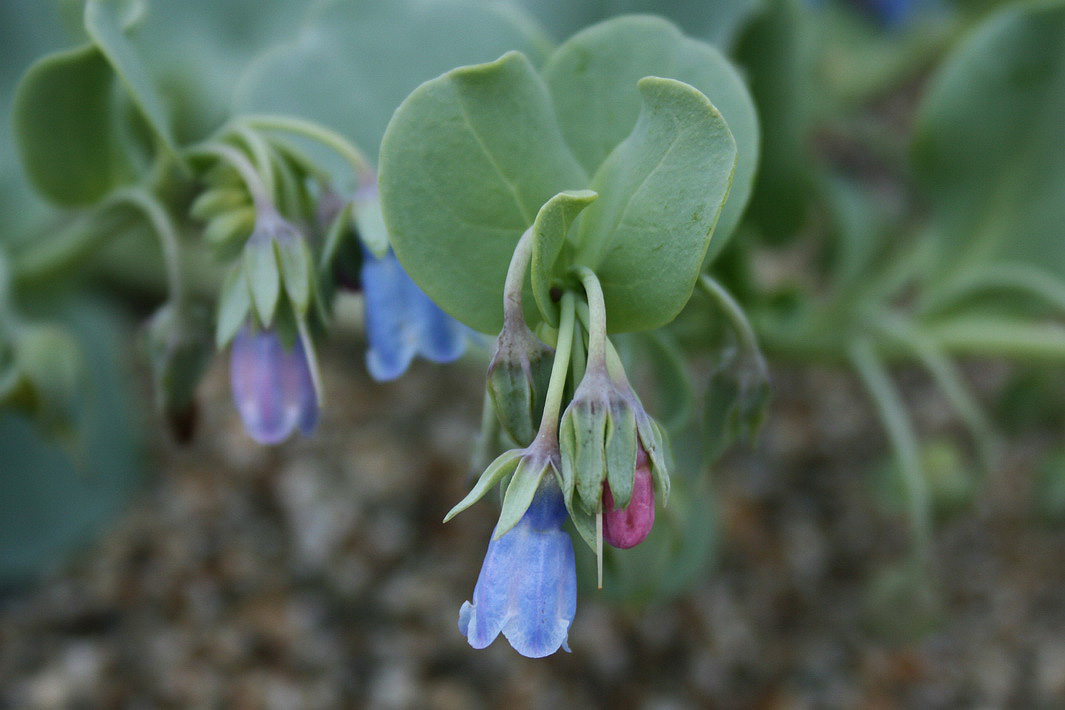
(152, 209)
(260, 153)
(363, 169)
(559, 369)
(260, 196)
(946, 375)
(597, 316)
(514, 286)
(734, 312)
(1002, 277)
(312, 361)
(999, 337)
(900, 431)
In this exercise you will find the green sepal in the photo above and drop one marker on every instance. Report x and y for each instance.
(550, 229)
(263, 277)
(621, 443)
(521, 490)
(234, 306)
(218, 201)
(583, 521)
(504, 465)
(589, 425)
(297, 272)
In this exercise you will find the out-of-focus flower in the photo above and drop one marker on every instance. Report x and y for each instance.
(272, 386)
(401, 321)
(627, 526)
(528, 584)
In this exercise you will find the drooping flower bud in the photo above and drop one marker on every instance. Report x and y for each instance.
(517, 380)
(273, 388)
(628, 526)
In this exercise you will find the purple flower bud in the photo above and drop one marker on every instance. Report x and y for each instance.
(528, 584)
(272, 387)
(401, 321)
(627, 527)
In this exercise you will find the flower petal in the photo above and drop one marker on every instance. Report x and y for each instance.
(272, 387)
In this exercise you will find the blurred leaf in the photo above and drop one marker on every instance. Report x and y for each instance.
(985, 146)
(777, 49)
(104, 24)
(352, 63)
(66, 128)
(714, 20)
(51, 503)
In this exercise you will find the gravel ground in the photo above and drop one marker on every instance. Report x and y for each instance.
(317, 575)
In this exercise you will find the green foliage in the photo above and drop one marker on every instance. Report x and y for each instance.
(487, 145)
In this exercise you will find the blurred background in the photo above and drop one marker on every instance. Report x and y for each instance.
(148, 562)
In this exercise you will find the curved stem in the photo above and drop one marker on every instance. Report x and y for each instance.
(999, 337)
(153, 211)
(946, 375)
(514, 285)
(597, 316)
(900, 431)
(559, 369)
(734, 312)
(239, 162)
(320, 133)
(260, 153)
(1030, 280)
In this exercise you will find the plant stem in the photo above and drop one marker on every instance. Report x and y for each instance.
(163, 226)
(559, 369)
(900, 431)
(320, 133)
(735, 315)
(1030, 280)
(514, 286)
(593, 291)
(260, 153)
(260, 196)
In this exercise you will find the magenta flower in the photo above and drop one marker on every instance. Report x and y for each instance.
(627, 527)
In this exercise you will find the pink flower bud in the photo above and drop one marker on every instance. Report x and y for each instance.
(627, 527)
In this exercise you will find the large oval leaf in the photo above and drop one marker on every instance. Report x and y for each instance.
(661, 192)
(65, 127)
(466, 163)
(987, 150)
(592, 78)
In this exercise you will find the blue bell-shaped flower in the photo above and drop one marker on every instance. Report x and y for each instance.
(401, 321)
(272, 386)
(528, 583)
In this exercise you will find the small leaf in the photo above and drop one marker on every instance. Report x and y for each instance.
(234, 305)
(499, 469)
(217, 201)
(551, 227)
(65, 127)
(104, 24)
(370, 224)
(669, 177)
(263, 277)
(466, 163)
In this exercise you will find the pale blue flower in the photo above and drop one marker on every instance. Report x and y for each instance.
(401, 321)
(272, 386)
(528, 583)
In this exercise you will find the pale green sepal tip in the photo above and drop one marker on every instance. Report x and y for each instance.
(370, 226)
(550, 229)
(621, 443)
(263, 277)
(504, 464)
(295, 260)
(234, 302)
(520, 494)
